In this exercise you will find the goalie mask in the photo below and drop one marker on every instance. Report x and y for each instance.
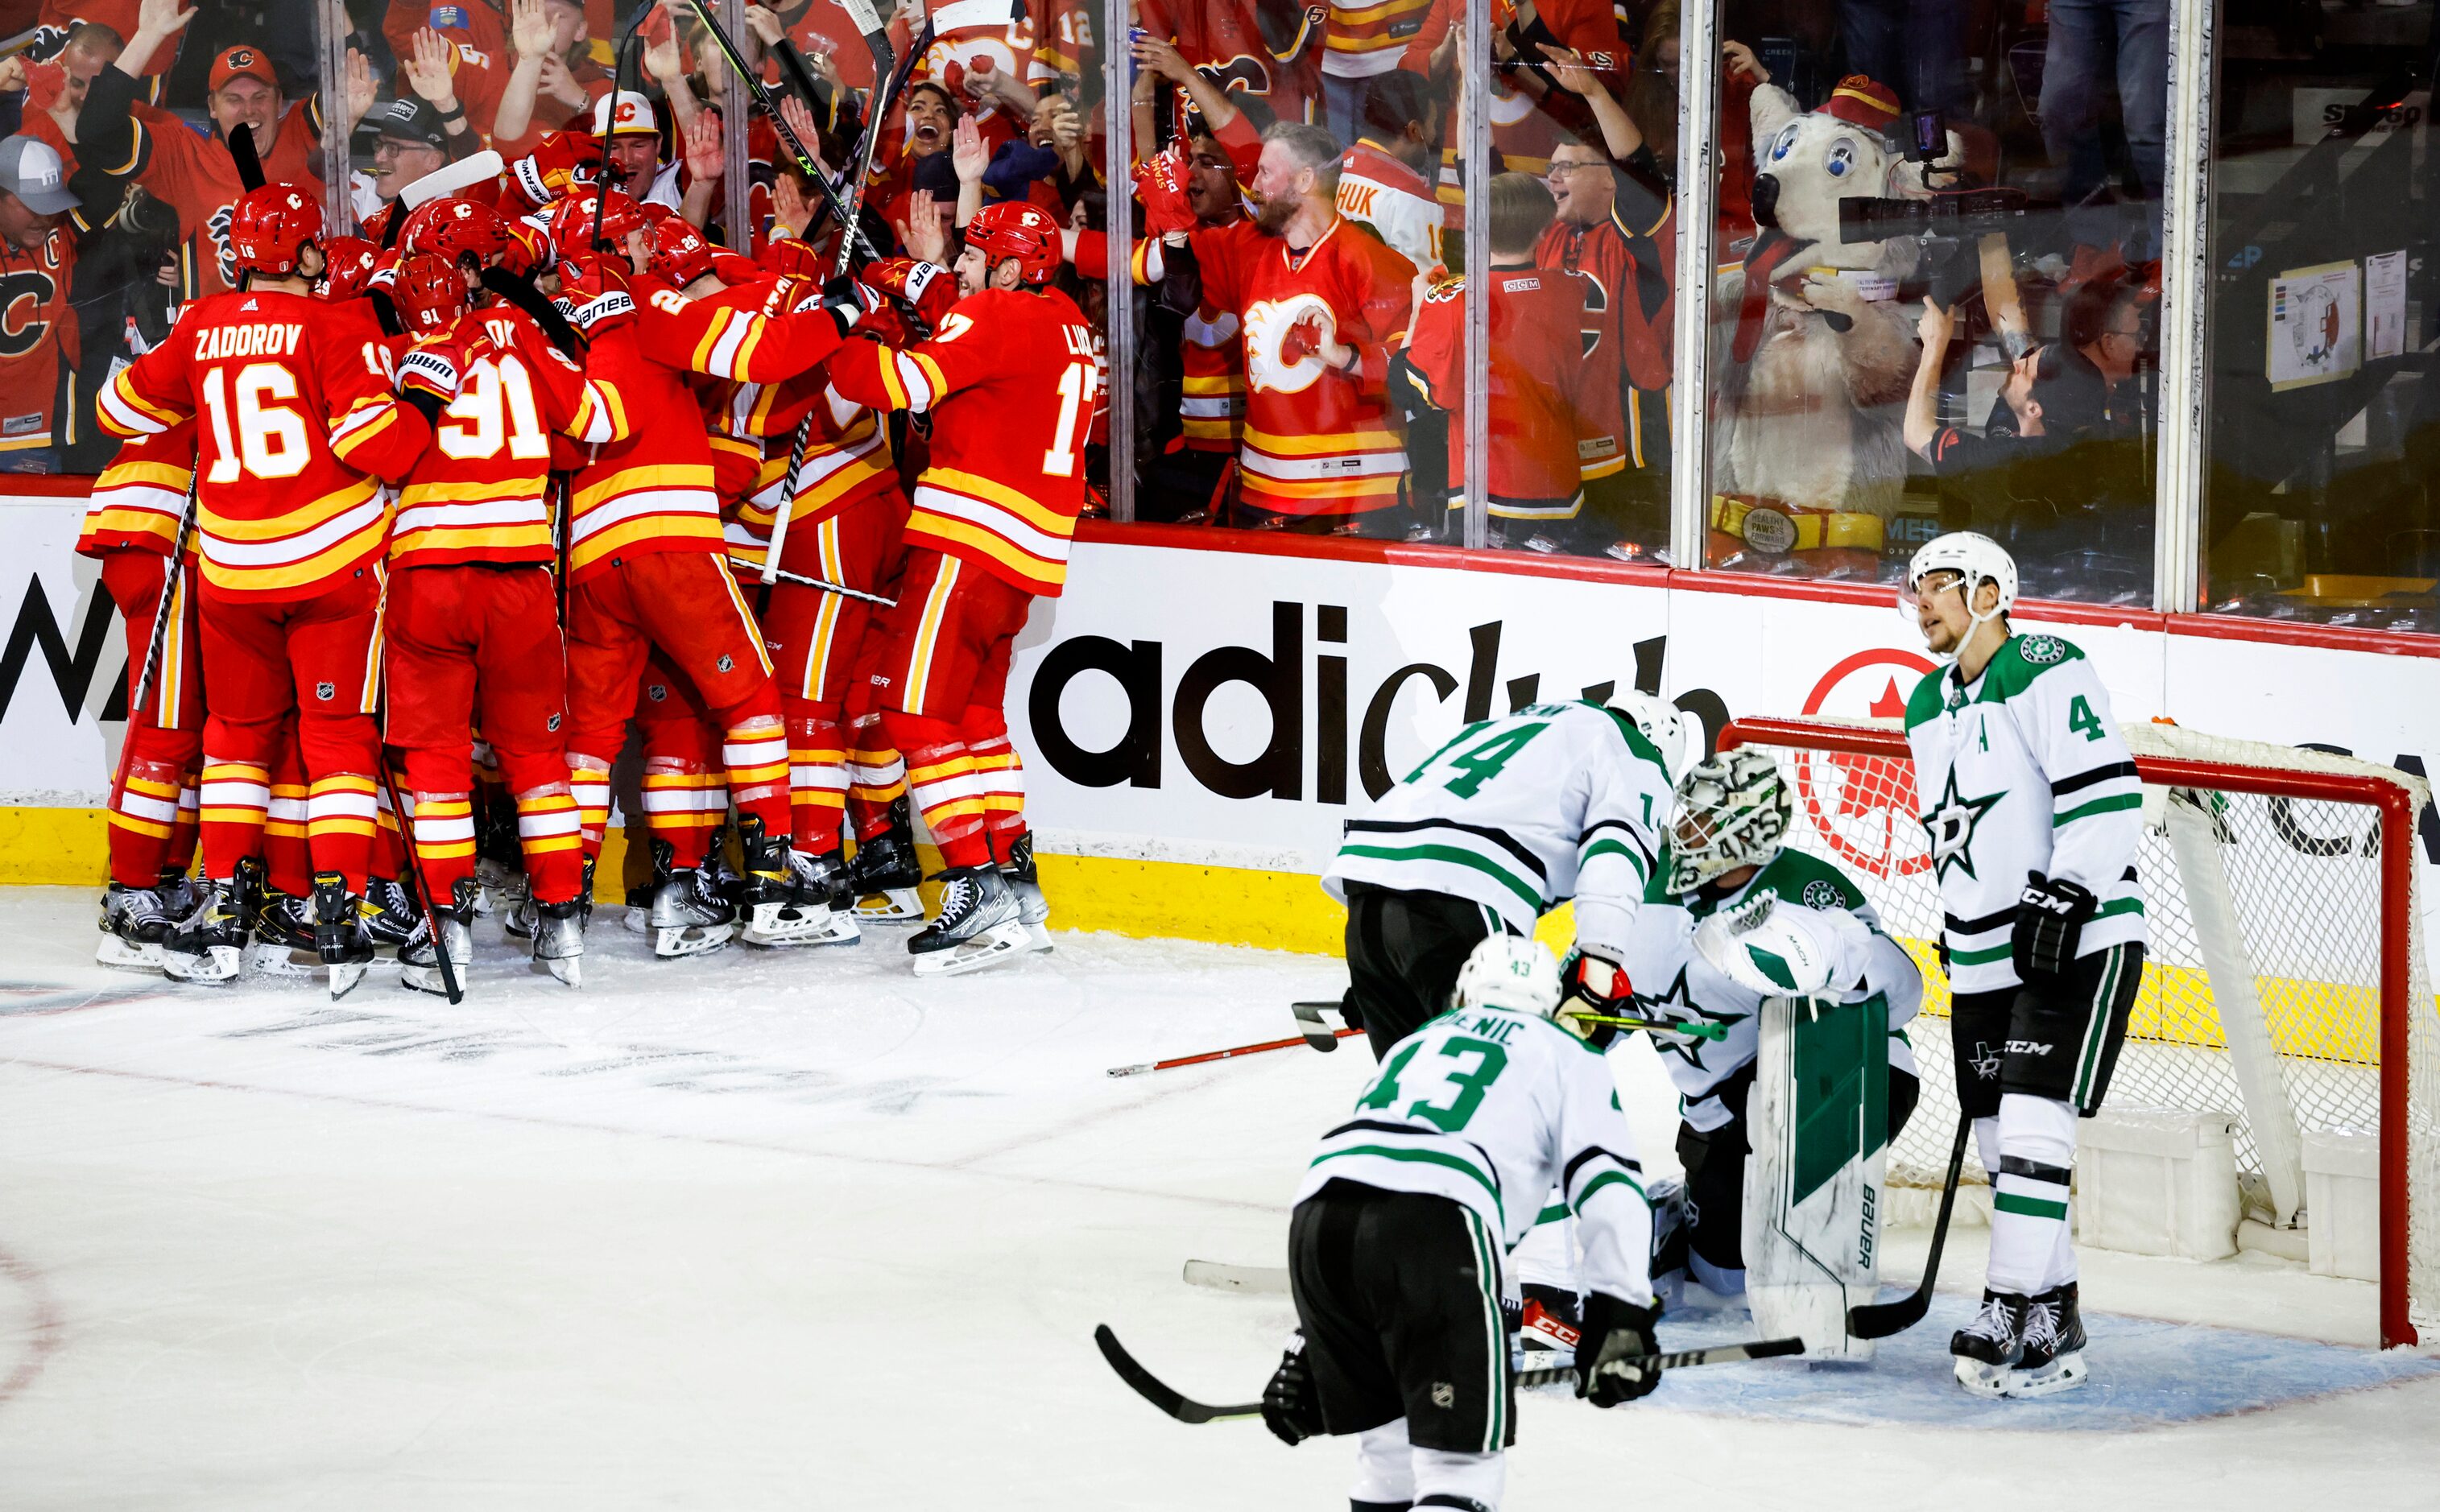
(1733, 810)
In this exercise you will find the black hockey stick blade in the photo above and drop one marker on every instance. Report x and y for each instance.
(1878, 1320)
(249, 165)
(1681, 1359)
(1152, 1389)
(1318, 1030)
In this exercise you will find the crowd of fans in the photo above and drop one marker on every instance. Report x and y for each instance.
(1298, 208)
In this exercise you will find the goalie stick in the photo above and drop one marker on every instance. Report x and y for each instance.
(1187, 1410)
(1878, 1320)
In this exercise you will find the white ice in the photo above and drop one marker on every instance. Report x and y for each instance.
(794, 1231)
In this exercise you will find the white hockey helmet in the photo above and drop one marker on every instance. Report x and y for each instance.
(1733, 810)
(1513, 972)
(1660, 722)
(1976, 558)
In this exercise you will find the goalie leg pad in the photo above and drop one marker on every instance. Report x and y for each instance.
(1817, 1119)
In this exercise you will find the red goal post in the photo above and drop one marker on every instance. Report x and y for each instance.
(2257, 893)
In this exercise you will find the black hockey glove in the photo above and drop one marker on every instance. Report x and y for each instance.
(2050, 922)
(1615, 1330)
(1290, 1409)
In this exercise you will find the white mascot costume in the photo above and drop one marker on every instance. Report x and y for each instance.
(1811, 377)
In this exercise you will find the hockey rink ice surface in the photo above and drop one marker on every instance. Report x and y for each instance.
(771, 1231)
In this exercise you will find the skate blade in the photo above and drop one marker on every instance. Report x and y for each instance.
(346, 976)
(776, 926)
(427, 979)
(973, 956)
(1989, 1381)
(2065, 1373)
(129, 955)
(215, 966)
(894, 905)
(279, 960)
(567, 970)
(690, 939)
(1037, 937)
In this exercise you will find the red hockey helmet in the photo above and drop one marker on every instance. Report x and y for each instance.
(270, 225)
(1014, 229)
(349, 264)
(454, 230)
(572, 224)
(680, 254)
(430, 294)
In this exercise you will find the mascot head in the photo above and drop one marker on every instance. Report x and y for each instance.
(1806, 161)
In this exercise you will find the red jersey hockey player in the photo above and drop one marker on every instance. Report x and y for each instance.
(1322, 306)
(194, 174)
(130, 525)
(1009, 381)
(1536, 364)
(297, 425)
(645, 555)
(472, 615)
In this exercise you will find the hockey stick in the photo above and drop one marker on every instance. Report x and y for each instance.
(1187, 1410)
(619, 71)
(1221, 1055)
(1878, 1320)
(172, 585)
(813, 582)
(249, 162)
(1685, 1026)
(422, 884)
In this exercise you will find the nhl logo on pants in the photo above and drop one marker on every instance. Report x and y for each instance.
(325, 691)
(552, 724)
(1444, 1394)
(727, 665)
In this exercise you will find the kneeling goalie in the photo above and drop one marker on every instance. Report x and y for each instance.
(1400, 1229)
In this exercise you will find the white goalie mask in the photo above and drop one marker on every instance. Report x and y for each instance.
(1963, 560)
(1660, 722)
(1733, 810)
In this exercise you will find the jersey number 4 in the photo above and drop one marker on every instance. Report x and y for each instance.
(1456, 1091)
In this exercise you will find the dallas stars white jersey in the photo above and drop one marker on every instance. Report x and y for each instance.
(2023, 771)
(1673, 981)
(1518, 815)
(1492, 1110)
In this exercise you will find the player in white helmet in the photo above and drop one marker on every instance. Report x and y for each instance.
(1395, 1248)
(1509, 819)
(2032, 806)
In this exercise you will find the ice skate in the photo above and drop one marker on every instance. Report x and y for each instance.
(506, 892)
(339, 933)
(978, 924)
(1030, 905)
(133, 924)
(558, 933)
(885, 875)
(690, 918)
(640, 898)
(815, 907)
(1989, 1348)
(2054, 1346)
(208, 945)
(418, 963)
(179, 894)
(390, 916)
(282, 940)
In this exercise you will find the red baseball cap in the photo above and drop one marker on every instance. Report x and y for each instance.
(253, 62)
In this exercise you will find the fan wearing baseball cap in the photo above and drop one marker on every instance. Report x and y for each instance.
(37, 263)
(195, 175)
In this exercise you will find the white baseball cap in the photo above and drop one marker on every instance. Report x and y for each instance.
(634, 114)
(31, 172)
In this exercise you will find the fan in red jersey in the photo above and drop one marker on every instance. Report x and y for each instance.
(1009, 381)
(1321, 306)
(297, 428)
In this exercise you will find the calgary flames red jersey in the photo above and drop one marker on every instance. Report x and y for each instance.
(1536, 367)
(480, 491)
(655, 490)
(1316, 440)
(297, 421)
(196, 176)
(38, 339)
(1225, 40)
(1009, 380)
(1628, 310)
(135, 502)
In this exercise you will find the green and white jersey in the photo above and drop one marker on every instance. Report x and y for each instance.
(1873, 973)
(1492, 1110)
(2023, 771)
(1519, 814)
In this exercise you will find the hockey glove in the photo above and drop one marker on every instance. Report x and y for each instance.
(2049, 924)
(593, 292)
(1290, 1409)
(1615, 1330)
(847, 302)
(427, 374)
(926, 288)
(1597, 980)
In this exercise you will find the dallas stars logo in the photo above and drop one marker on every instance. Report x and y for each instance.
(1679, 1006)
(1952, 828)
(1985, 1061)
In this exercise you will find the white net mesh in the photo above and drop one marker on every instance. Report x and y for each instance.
(2279, 891)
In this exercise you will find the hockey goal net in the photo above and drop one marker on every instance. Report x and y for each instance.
(2285, 981)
